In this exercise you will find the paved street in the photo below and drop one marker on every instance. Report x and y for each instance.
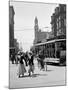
(54, 76)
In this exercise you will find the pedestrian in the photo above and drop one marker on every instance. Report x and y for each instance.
(41, 61)
(38, 60)
(12, 58)
(17, 58)
(31, 64)
(26, 58)
(22, 69)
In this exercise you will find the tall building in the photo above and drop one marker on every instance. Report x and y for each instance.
(40, 36)
(58, 21)
(11, 30)
(36, 28)
(11, 26)
(16, 45)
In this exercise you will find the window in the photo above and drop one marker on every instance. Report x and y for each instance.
(59, 32)
(64, 22)
(59, 24)
(59, 18)
(64, 8)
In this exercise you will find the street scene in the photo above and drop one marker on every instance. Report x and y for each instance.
(51, 77)
(37, 44)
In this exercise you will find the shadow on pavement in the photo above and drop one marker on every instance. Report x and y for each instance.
(34, 75)
(49, 70)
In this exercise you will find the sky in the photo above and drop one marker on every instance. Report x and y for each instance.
(24, 17)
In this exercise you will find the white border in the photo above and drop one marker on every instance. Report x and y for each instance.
(4, 51)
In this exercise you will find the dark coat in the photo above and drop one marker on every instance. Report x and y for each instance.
(31, 60)
(21, 60)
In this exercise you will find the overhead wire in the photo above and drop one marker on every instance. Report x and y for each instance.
(29, 29)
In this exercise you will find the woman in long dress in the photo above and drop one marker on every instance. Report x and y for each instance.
(31, 64)
(22, 69)
(41, 60)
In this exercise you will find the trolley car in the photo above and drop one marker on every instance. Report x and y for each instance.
(53, 50)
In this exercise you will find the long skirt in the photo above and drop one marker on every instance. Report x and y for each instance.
(31, 69)
(22, 69)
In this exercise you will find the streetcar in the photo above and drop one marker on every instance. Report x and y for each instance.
(54, 51)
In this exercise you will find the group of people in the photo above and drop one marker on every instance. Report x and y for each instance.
(24, 60)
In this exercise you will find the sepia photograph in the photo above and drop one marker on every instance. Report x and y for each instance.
(37, 44)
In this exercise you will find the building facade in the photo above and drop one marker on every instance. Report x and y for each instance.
(11, 26)
(16, 45)
(11, 30)
(58, 21)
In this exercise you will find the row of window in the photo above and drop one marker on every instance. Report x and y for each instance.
(50, 52)
(59, 26)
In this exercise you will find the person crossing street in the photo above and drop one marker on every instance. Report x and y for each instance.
(31, 64)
